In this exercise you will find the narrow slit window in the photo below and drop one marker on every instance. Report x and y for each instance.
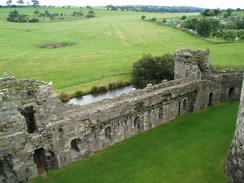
(28, 113)
(185, 104)
(108, 132)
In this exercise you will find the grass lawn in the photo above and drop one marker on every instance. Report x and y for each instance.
(105, 47)
(187, 150)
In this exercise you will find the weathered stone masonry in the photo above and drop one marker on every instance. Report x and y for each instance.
(39, 133)
(234, 166)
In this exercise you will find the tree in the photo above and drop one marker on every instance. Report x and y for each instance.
(152, 70)
(36, 12)
(77, 13)
(53, 16)
(228, 13)
(217, 11)
(12, 16)
(230, 36)
(90, 14)
(190, 23)
(205, 27)
(206, 12)
(47, 14)
(35, 3)
(184, 17)
(240, 23)
(143, 17)
(20, 2)
(9, 2)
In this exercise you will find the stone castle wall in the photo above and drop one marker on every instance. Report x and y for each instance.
(234, 166)
(39, 133)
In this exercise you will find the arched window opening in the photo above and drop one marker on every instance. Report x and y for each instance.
(185, 104)
(75, 145)
(210, 99)
(231, 93)
(108, 133)
(137, 123)
(198, 75)
(40, 160)
(28, 113)
(187, 72)
(160, 115)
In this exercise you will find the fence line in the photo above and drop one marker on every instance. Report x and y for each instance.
(73, 82)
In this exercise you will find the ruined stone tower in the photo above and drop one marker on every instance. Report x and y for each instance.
(27, 110)
(234, 166)
(192, 64)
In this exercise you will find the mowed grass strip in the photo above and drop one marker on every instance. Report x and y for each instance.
(189, 149)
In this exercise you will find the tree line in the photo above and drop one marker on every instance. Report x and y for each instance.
(15, 16)
(34, 3)
(150, 8)
(217, 23)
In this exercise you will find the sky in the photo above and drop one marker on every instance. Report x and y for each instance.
(195, 3)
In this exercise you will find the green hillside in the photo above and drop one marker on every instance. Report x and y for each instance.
(104, 47)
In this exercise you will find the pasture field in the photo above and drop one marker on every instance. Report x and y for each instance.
(104, 49)
(189, 149)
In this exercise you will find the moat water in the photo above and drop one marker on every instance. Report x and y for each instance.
(91, 98)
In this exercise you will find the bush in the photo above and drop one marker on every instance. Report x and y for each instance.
(79, 93)
(98, 89)
(143, 17)
(152, 70)
(14, 16)
(117, 85)
(240, 23)
(230, 36)
(77, 14)
(64, 97)
(102, 89)
(90, 14)
(34, 20)
(241, 37)
(240, 33)
(184, 17)
(153, 19)
(205, 27)
(219, 34)
(190, 23)
(36, 12)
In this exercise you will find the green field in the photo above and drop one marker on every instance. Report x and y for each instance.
(187, 150)
(105, 47)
